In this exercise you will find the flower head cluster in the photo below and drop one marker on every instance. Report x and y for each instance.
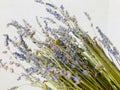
(69, 58)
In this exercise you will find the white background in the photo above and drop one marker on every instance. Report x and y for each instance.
(104, 13)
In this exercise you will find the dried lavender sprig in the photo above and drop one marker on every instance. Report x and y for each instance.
(82, 36)
(108, 45)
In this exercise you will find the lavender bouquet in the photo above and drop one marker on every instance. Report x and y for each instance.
(68, 59)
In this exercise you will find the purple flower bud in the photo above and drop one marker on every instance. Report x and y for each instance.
(63, 56)
(62, 7)
(58, 16)
(39, 1)
(6, 43)
(49, 10)
(21, 49)
(21, 56)
(6, 39)
(21, 38)
(50, 5)
(63, 72)
(30, 70)
(75, 58)
(76, 79)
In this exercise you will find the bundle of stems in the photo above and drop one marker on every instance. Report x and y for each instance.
(69, 58)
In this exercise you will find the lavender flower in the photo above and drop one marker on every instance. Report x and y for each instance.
(76, 79)
(6, 39)
(21, 56)
(69, 58)
(39, 1)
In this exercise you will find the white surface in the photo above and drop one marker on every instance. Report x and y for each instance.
(28, 9)
(113, 30)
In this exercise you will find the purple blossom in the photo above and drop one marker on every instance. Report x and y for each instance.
(75, 58)
(49, 10)
(57, 16)
(21, 56)
(66, 56)
(6, 39)
(116, 52)
(22, 50)
(62, 7)
(16, 24)
(76, 79)
(23, 42)
(63, 56)
(39, 1)
(50, 5)
(62, 72)
(30, 70)
(88, 16)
